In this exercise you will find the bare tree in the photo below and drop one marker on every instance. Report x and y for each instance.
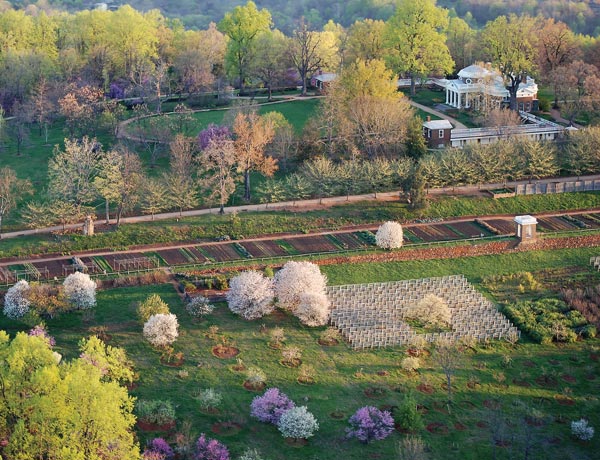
(218, 170)
(12, 190)
(448, 358)
(304, 51)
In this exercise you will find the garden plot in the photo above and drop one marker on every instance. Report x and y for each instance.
(312, 244)
(174, 256)
(555, 224)
(470, 229)
(222, 252)
(504, 226)
(436, 232)
(348, 241)
(372, 315)
(265, 248)
(55, 267)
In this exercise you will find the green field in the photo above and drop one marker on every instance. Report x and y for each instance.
(495, 387)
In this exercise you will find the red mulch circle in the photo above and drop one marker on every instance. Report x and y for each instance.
(491, 404)
(225, 352)
(472, 385)
(532, 421)
(177, 363)
(569, 378)
(528, 363)
(337, 415)
(226, 428)
(440, 407)
(154, 427)
(278, 315)
(328, 343)
(250, 387)
(564, 400)
(296, 442)
(306, 381)
(459, 426)
(417, 353)
(437, 428)
(275, 346)
(521, 383)
(467, 405)
(291, 364)
(239, 367)
(482, 424)
(421, 409)
(375, 392)
(546, 381)
(383, 373)
(426, 388)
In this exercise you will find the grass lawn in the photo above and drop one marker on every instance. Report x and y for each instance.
(495, 386)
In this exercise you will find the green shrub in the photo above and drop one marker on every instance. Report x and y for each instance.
(407, 415)
(151, 306)
(156, 412)
(588, 332)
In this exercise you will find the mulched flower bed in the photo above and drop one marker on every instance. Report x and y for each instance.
(153, 427)
(337, 415)
(546, 381)
(328, 343)
(226, 428)
(568, 378)
(224, 352)
(383, 373)
(173, 363)
(375, 392)
(426, 388)
(251, 387)
(293, 363)
(306, 381)
(437, 428)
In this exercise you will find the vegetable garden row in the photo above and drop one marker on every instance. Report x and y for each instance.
(227, 251)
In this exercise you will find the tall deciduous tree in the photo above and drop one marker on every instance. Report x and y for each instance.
(243, 25)
(71, 171)
(51, 410)
(578, 86)
(510, 44)
(365, 40)
(252, 134)
(461, 42)
(271, 63)
(154, 196)
(415, 40)
(217, 172)
(12, 190)
(304, 51)
(181, 187)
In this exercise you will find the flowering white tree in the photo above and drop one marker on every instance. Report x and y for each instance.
(80, 290)
(295, 279)
(161, 330)
(581, 430)
(250, 295)
(313, 309)
(389, 235)
(298, 423)
(199, 306)
(431, 309)
(16, 303)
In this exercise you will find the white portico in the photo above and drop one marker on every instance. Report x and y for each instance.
(479, 87)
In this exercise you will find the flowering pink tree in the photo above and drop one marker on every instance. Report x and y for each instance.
(158, 449)
(250, 295)
(389, 235)
(213, 133)
(369, 423)
(295, 279)
(80, 290)
(40, 331)
(210, 449)
(161, 330)
(269, 407)
(313, 309)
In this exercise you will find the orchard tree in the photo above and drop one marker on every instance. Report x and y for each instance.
(389, 235)
(370, 424)
(432, 310)
(12, 191)
(313, 309)
(242, 26)
(161, 330)
(16, 300)
(153, 305)
(296, 279)
(252, 134)
(321, 173)
(415, 40)
(154, 196)
(250, 295)
(510, 44)
(269, 407)
(66, 406)
(80, 290)
(179, 181)
(298, 423)
(210, 449)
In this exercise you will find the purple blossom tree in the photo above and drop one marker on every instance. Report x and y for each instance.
(213, 133)
(210, 449)
(269, 407)
(158, 449)
(369, 423)
(117, 91)
(40, 331)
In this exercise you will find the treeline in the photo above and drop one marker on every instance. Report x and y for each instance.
(580, 15)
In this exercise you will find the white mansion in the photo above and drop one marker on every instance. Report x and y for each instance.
(479, 86)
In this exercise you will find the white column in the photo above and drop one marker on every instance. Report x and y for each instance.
(459, 100)
(447, 96)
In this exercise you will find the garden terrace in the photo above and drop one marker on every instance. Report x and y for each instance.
(373, 315)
